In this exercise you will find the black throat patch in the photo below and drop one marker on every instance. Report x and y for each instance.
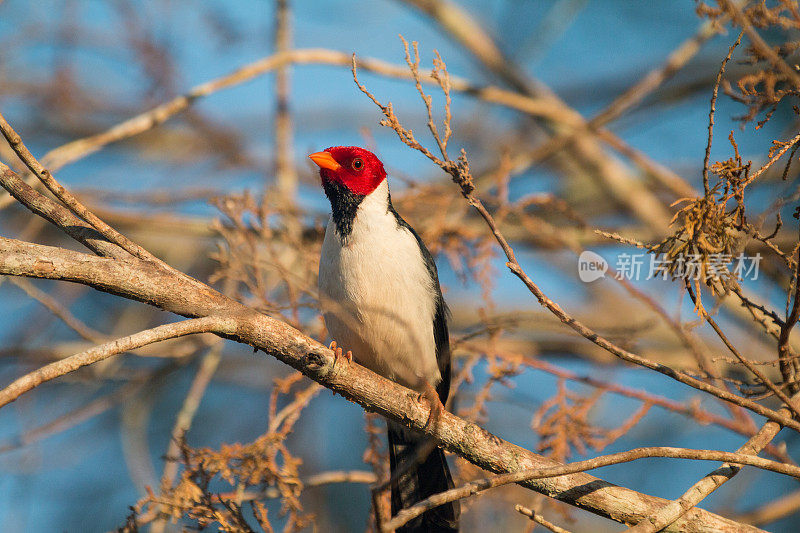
(344, 205)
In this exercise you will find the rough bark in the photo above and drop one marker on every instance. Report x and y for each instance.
(146, 282)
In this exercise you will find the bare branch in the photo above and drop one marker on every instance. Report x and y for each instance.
(104, 351)
(147, 120)
(539, 519)
(475, 487)
(713, 110)
(61, 217)
(711, 482)
(67, 198)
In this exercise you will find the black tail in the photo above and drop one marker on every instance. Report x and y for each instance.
(424, 478)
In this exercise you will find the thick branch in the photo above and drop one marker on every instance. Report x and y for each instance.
(134, 279)
(56, 214)
(142, 281)
(481, 485)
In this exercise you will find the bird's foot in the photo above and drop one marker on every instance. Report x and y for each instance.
(435, 403)
(338, 353)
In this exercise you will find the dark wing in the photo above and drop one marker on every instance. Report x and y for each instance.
(440, 332)
(432, 475)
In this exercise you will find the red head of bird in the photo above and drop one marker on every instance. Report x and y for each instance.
(357, 169)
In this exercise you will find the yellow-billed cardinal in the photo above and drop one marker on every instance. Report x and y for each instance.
(381, 299)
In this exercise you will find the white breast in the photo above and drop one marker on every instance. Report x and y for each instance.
(377, 296)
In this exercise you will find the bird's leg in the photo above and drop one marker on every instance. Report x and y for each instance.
(435, 402)
(337, 353)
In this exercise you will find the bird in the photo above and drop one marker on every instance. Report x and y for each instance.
(381, 299)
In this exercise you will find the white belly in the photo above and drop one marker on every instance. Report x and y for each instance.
(377, 298)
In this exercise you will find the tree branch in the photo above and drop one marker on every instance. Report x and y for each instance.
(56, 369)
(481, 485)
(539, 519)
(67, 198)
(56, 214)
(711, 482)
(142, 281)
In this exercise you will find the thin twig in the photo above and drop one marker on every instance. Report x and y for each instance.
(481, 485)
(711, 112)
(778, 154)
(539, 519)
(104, 351)
(711, 482)
(67, 198)
(461, 175)
(746, 362)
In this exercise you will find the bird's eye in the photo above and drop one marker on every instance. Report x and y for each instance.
(357, 163)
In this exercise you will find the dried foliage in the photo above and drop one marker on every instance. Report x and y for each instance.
(270, 267)
(709, 233)
(563, 423)
(773, 77)
(228, 488)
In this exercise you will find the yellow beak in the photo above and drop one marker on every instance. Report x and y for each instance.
(325, 160)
